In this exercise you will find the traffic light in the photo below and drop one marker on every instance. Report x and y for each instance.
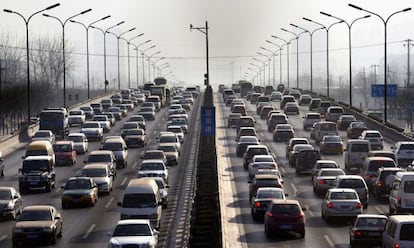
(205, 79)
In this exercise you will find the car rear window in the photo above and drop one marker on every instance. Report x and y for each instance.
(267, 182)
(407, 147)
(258, 151)
(409, 187)
(406, 232)
(343, 196)
(336, 111)
(376, 164)
(331, 173)
(285, 209)
(328, 127)
(351, 183)
(360, 147)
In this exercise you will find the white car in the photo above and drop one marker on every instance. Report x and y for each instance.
(80, 141)
(169, 138)
(374, 137)
(153, 168)
(133, 233)
(105, 122)
(76, 117)
(92, 130)
(44, 135)
(178, 131)
(101, 174)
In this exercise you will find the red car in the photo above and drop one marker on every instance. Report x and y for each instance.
(284, 216)
(65, 152)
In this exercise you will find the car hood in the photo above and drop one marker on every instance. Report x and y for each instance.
(4, 203)
(100, 180)
(77, 192)
(31, 224)
(90, 130)
(171, 154)
(152, 172)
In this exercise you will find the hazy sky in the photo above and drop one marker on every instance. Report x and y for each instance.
(237, 29)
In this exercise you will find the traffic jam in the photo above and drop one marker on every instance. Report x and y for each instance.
(301, 157)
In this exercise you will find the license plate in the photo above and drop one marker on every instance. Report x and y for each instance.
(345, 207)
(285, 226)
(374, 234)
(31, 236)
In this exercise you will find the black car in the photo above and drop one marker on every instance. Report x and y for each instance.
(367, 230)
(306, 160)
(383, 182)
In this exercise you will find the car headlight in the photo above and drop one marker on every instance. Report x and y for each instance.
(9, 206)
(48, 229)
(18, 230)
(104, 186)
(113, 243)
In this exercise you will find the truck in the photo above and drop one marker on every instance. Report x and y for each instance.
(245, 87)
(161, 89)
(37, 172)
(55, 120)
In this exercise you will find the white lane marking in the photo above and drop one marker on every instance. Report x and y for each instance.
(282, 170)
(124, 181)
(309, 211)
(3, 237)
(109, 202)
(58, 189)
(294, 189)
(261, 134)
(85, 236)
(328, 240)
(380, 211)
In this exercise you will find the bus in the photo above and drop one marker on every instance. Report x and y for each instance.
(245, 87)
(55, 120)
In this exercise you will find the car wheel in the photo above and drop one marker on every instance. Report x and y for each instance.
(2, 173)
(48, 188)
(302, 234)
(391, 210)
(268, 233)
(351, 244)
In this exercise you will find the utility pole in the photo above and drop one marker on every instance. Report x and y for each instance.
(407, 86)
(375, 81)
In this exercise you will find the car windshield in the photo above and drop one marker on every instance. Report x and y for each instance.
(331, 173)
(168, 148)
(138, 200)
(90, 125)
(5, 195)
(35, 215)
(374, 165)
(407, 147)
(333, 139)
(326, 165)
(113, 146)
(406, 232)
(41, 135)
(348, 118)
(246, 139)
(409, 187)
(371, 222)
(75, 138)
(35, 165)
(168, 139)
(263, 159)
(153, 155)
(270, 194)
(358, 125)
(360, 147)
(343, 196)
(99, 158)
(336, 110)
(152, 166)
(130, 125)
(327, 126)
(134, 132)
(160, 183)
(174, 129)
(62, 148)
(268, 182)
(351, 183)
(373, 135)
(78, 184)
(100, 118)
(285, 209)
(92, 172)
(75, 112)
(317, 117)
(126, 230)
(136, 118)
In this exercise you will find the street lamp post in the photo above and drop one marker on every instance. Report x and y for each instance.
(349, 48)
(258, 73)
(204, 30)
(26, 21)
(63, 23)
(87, 46)
(118, 37)
(287, 43)
(260, 69)
(297, 53)
(149, 63)
(274, 54)
(269, 58)
(154, 64)
(327, 49)
(385, 21)
(137, 52)
(143, 62)
(311, 50)
(129, 63)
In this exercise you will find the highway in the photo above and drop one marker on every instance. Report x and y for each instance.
(318, 232)
(89, 227)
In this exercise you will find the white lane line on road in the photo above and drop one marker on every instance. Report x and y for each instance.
(294, 189)
(58, 189)
(282, 170)
(3, 238)
(380, 211)
(85, 236)
(309, 211)
(109, 202)
(328, 240)
(124, 181)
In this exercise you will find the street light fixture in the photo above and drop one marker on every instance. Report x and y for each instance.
(155, 66)
(26, 21)
(63, 23)
(349, 48)
(287, 43)
(118, 37)
(297, 53)
(129, 63)
(327, 48)
(143, 62)
(149, 63)
(385, 21)
(268, 58)
(263, 62)
(274, 55)
(204, 30)
(137, 52)
(87, 45)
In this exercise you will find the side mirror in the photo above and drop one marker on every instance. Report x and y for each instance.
(57, 217)
(250, 181)
(84, 161)
(303, 209)
(62, 187)
(286, 194)
(167, 186)
(119, 204)
(108, 234)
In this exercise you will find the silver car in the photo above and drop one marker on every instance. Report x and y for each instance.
(325, 179)
(341, 203)
(10, 202)
(80, 141)
(133, 233)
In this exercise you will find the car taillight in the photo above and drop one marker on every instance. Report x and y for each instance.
(358, 205)
(301, 218)
(397, 245)
(270, 214)
(358, 233)
(321, 181)
(330, 205)
(399, 200)
(257, 204)
(379, 184)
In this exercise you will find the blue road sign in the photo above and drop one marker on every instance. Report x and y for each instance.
(378, 90)
(208, 121)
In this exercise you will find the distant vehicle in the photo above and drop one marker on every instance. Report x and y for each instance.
(331, 144)
(355, 129)
(12, 201)
(325, 179)
(344, 121)
(37, 172)
(79, 191)
(261, 200)
(55, 120)
(404, 150)
(76, 117)
(136, 231)
(367, 229)
(398, 231)
(44, 135)
(100, 174)
(342, 202)
(65, 153)
(309, 119)
(374, 137)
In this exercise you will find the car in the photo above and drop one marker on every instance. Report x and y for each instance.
(261, 162)
(343, 202)
(261, 200)
(270, 172)
(325, 179)
(2, 165)
(80, 142)
(106, 103)
(76, 117)
(309, 119)
(295, 151)
(367, 230)
(344, 121)
(92, 130)
(111, 118)
(163, 188)
(44, 135)
(171, 153)
(374, 137)
(182, 122)
(239, 108)
(105, 122)
(383, 153)
(169, 138)
(383, 181)
(398, 231)
(10, 202)
(284, 216)
(285, 100)
(295, 93)
(103, 156)
(305, 99)
(331, 144)
(88, 110)
(138, 118)
(370, 168)
(245, 121)
(320, 129)
(264, 113)
(291, 108)
(305, 161)
(404, 150)
(134, 137)
(65, 153)
(116, 111)
(260, 181)
(314, 104)
(292, 142)
(101, 175)
(275, 119)
(153, 168)
(119, 148)
(154, 154)
(134, 233)
(275, 96)
(354, 182)
(244, 142)
(233, 119)
(177, 130)
(323, 107)
(283, 132)
(355, 129)
(246, 131)
(37, 223)
(323, 163)
(79, 191)
(261, 105)
(97, 108)
(252, 150)
(333, 113)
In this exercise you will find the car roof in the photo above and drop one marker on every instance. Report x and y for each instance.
(38, 207)
(341, 190)
(372, 216)
(97, 165)
(133, 221)
(100, 152)
(379, 158)
(266, 176)
(286, 201)
(349, 177)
